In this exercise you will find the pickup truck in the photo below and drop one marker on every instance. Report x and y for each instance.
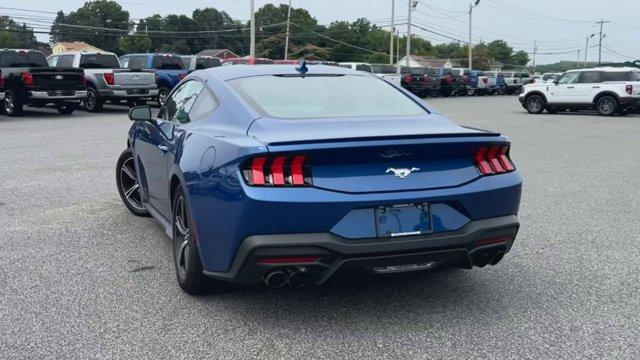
(469, 81)
(198, 62)
(514, 81)
(421, 81)
(169, 69)
(387, 72)
(450, 82)
(106, 80)
(495, 83)
(27, 79)
(606, 89)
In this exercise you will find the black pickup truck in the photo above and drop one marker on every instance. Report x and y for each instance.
(27, 79)
(421, 81)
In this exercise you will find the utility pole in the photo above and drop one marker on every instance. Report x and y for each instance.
(471, 6)
(578, 62)
(286, 43)
(252, 46)
(601, 22)
(392, 32)
(586, 47)
(410, 5)
(398, 48)
(533, 64)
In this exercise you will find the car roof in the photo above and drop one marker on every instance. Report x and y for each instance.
(607, 68)
(82, 52)
(225, 73)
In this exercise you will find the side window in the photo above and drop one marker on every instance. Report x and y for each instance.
(569, 78)
(124, 62)
(181, 101)
(204, 106)
(364, 67)
(53, 61)
(590, 77)
(137, 62)
(65, 61)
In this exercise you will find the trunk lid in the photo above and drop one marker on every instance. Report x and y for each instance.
(125, 77)
(48, 78)
(368, 155)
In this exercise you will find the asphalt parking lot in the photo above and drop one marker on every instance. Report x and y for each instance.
(83, 278)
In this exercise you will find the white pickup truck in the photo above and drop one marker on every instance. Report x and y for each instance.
(386, 72)
(608, 90)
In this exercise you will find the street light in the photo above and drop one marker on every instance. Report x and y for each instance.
(411, 6)
(586, 46)
(471, 6)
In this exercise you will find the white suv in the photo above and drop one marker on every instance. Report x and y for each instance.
(608, 90)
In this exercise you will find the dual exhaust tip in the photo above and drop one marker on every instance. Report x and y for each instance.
(488, 258)
(278, 278)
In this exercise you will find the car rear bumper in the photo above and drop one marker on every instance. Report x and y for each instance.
(2, 96)
(628, 100)
(478, 243)
(58, 95)
(129, 93)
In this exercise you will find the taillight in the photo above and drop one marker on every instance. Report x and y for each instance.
(1, 81)
(490, 160)
(408, 79)
(629, 89)
(109, 78)
(83, 80)
(448, 79)
(277, 171)
(182, 76)
(485, 80)
(27, 78)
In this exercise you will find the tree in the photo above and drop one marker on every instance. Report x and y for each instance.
(57, 32)
(14, 35)
(499, 50)
(84, 23)
(519, 58)
(310, 52)
(137, 43)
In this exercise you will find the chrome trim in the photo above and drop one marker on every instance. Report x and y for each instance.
(79, 94)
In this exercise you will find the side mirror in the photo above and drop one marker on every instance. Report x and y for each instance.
(555, 81)
(140, 113)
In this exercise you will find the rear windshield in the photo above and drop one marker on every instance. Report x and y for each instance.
(621, 76)
(167, 62)
(328, 96)
(99, 61)
(22, 59)
(205, 63)
(186, 61)
(383, 69)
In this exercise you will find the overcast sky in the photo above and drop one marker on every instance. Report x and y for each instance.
(557, 25)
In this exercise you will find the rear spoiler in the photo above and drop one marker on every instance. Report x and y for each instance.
(381, 138)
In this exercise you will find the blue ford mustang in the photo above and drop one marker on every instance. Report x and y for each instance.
(285, 174)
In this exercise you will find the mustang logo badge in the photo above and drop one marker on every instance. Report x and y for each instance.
(391, 153)
(401, 173)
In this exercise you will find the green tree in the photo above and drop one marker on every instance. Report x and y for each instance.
(134, 44)
(499, 50)
(86, 21)
(14, 35)
(519, 58)
(57, 32)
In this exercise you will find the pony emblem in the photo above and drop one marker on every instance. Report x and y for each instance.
(401, 173)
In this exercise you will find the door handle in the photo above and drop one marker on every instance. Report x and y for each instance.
(569, 87)
(163, 148)
(595, 87)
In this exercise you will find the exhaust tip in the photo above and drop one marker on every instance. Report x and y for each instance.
(297, 279)
(276, 279)
(497, 257)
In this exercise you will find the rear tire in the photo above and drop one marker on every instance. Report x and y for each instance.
(93, 102)
(534, 104)
(127, 183)
(607, 105)
(12, 104)
(185, 249)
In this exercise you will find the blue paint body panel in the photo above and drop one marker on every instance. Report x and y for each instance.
(349, 160)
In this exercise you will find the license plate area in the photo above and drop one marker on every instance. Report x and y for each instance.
(403, 220)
